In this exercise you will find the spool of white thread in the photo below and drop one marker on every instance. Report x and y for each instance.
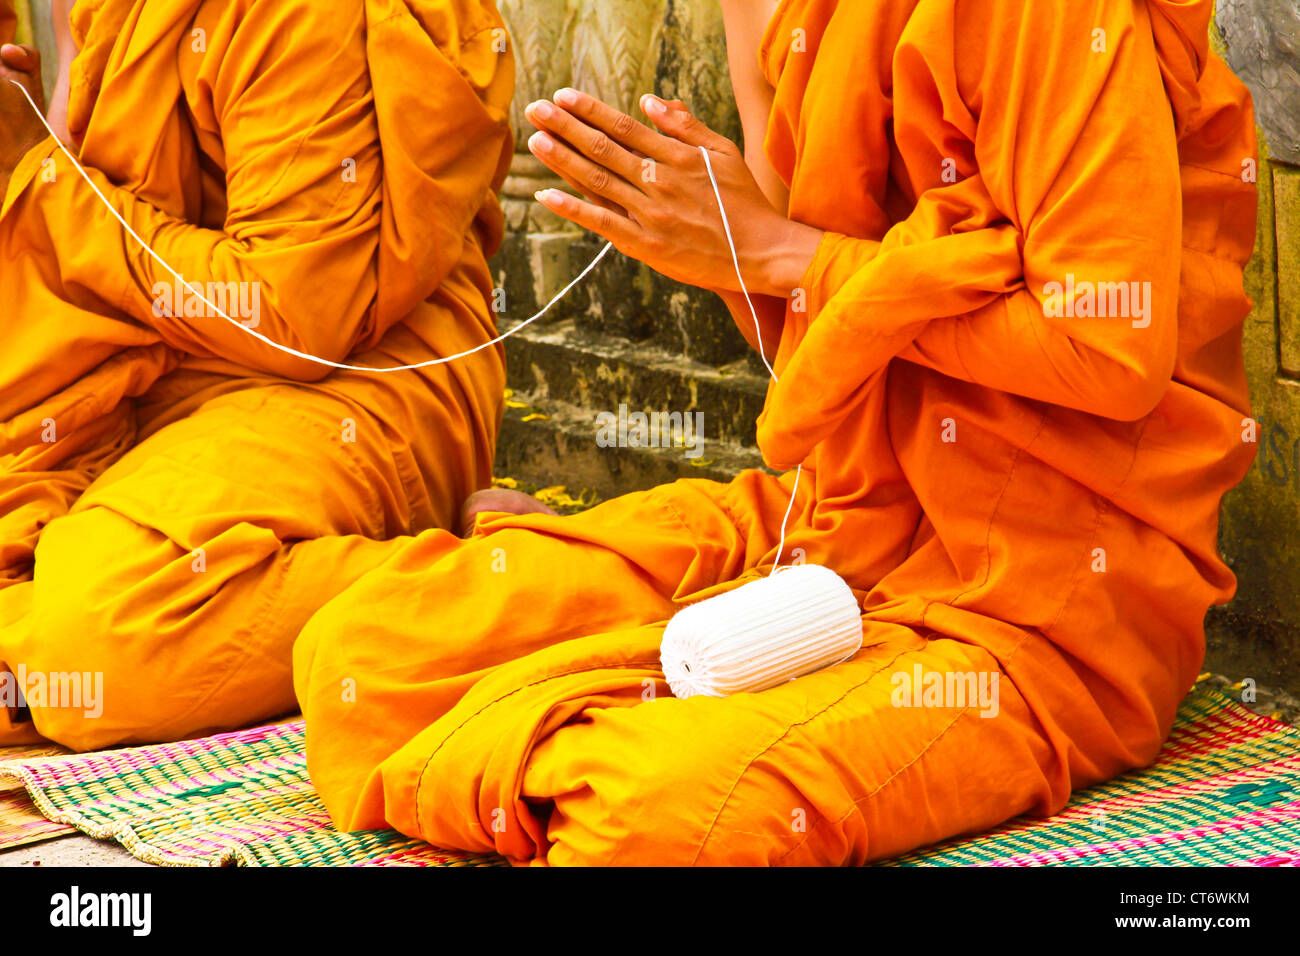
(786, 625)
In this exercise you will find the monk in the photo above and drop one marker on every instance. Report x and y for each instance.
(178, 497)
(1016, 468)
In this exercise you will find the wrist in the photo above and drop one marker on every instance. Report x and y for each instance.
(787, 257)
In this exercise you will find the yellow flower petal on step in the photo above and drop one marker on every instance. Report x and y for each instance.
(535, 416)
(505, 483)
(510, 404)
(701, 462)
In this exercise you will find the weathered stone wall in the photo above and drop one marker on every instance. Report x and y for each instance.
(616, 50)
(1259, 633)
(626, 336)
(1261, 42)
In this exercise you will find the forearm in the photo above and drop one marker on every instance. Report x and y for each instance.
(788, 254)
(745, 22)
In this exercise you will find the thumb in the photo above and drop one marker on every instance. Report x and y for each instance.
(675, 120)
(24, 59)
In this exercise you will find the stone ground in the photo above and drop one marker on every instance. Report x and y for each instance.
(83, 851)
(70, 851)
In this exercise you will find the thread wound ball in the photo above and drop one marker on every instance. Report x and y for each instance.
(797, 621)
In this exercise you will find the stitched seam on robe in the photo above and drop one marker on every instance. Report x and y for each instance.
(789, 727)
(351, 459)
(1105, 506)
(1002, 669)
(988, 530)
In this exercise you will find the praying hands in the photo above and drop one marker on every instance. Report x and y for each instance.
(649, 193)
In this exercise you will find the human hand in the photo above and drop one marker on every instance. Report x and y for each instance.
(648, 192)
(20, 127)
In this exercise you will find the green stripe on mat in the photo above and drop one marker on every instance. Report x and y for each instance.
(1224, 790)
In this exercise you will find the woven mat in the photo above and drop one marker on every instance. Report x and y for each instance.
(20, 822)
(1225, 790)
(240, 797)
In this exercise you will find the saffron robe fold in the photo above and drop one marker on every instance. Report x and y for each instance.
(342, 159)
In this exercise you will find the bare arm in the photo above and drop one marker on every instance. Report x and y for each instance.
(745, 22)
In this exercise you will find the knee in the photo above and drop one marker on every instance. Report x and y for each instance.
(636, 817)
(655, 798)
(104, 664)
(92, 579)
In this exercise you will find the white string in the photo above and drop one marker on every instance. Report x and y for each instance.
(726, 226)
(735, 260)
(258, 335)
(786, 520)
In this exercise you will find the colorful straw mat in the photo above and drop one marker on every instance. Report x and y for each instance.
(1225, 790)
(240, 797)
(20, 822)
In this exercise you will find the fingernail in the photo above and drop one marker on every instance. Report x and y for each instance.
(653, 106)
(541, 109)
(566, 97)
(540, 143)
(542, 195)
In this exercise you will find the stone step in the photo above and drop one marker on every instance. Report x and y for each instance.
(560, 448)
(585, 369)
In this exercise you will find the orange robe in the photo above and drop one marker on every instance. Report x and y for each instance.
(1013, 488)
(177, 498)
